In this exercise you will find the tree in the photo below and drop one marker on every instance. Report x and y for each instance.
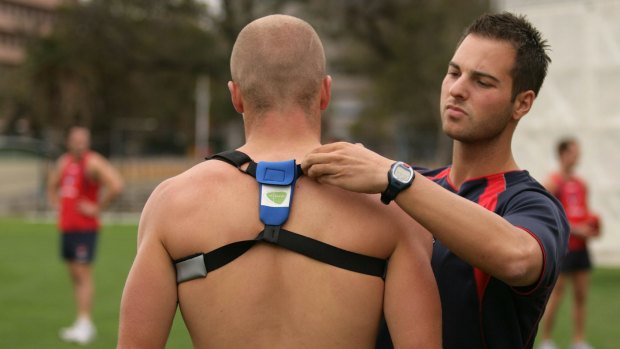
(128, 68)
(403, 48)
(122, 66)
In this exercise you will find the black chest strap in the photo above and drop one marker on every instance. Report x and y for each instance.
(198, 265)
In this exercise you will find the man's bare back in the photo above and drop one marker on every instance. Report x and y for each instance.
(271, 297)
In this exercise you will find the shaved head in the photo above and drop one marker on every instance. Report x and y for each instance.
(278, 60)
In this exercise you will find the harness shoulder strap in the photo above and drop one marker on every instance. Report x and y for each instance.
(237, 159)
(276, 181)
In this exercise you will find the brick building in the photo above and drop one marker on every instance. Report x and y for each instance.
(20, 19)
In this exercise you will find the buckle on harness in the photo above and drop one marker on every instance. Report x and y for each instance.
(192, 267)
(271, 233)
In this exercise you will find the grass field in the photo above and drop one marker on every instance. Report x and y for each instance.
(35, 293)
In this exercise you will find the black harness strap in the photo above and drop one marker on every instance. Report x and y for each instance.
(237, 159)
(199, 265)
(291, 241)
(329, 254)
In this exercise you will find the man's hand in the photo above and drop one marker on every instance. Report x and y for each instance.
(88, 208)
(348, 166)
(588, 229)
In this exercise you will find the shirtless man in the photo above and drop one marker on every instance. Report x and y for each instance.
(270, 296)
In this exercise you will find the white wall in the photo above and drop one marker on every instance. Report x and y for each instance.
(580, 97)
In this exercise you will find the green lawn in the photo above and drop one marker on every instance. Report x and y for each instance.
(35, 293)
(602, 328)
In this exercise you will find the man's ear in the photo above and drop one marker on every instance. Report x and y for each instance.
(522, 104)
(235, 96)
(326, 91)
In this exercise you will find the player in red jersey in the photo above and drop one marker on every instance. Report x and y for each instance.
(573, 194)
(73, 188)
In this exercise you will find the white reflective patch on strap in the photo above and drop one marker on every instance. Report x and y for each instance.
(275, 195)
(190, 269)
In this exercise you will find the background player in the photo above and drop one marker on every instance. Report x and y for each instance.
(572, 192)
(73, 189)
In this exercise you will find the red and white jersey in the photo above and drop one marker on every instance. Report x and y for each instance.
(74, 188)
(573, 194)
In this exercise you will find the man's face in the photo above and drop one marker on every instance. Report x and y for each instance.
(476, 92)
(78, 141)
(570, 157)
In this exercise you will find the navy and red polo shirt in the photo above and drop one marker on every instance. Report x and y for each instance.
(480, 311)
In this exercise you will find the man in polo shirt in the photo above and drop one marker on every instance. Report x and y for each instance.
(499, 234)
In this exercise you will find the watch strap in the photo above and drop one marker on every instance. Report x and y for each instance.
(389, 194)
(394, 186)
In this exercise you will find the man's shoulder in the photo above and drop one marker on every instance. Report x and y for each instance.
(522, 184)
(523, 192)
(206, 179)
(580, 180)
(439, 174)
(95, 161)
(430, 171)
(521, 180)
(63, 159)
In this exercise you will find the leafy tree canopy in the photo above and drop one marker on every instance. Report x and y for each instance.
(128, 68)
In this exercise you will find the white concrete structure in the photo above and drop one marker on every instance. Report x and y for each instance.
(580, 97)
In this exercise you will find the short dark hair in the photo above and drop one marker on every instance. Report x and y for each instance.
(564, 144)
(531, 61)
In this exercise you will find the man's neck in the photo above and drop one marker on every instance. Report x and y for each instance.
(77, 154)
(279, 136)
(567, 171)
(473, 160)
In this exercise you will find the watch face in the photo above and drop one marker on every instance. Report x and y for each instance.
(402, 173)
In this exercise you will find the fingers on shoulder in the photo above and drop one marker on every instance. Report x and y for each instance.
(329, 147)
(327, 150)
(320, 171)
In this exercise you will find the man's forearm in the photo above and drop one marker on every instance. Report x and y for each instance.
(477, 235)
(107, 199)
(480, 237)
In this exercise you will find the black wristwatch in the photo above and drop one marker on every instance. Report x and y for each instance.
(400, 177)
